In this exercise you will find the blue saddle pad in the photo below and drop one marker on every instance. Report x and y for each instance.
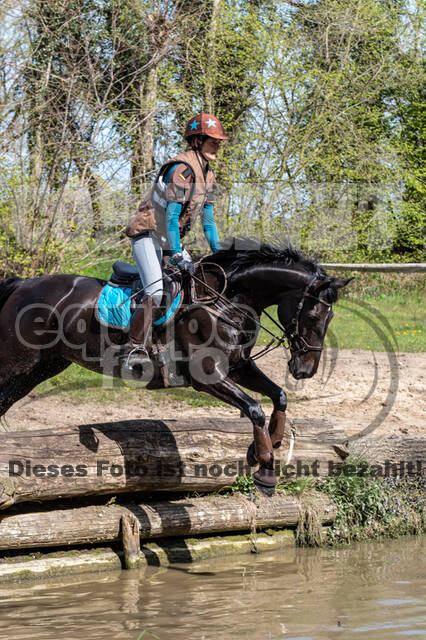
(114, 309)
(114, 306)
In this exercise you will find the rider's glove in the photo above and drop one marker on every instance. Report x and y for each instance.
(182, 264)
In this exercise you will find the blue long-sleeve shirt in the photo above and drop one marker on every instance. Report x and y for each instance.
(172, 225)
(173, 212)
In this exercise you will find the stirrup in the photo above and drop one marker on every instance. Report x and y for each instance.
(138, 350)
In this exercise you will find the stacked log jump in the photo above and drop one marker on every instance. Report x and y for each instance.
(46, 477)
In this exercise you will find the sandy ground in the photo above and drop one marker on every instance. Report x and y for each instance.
(357, 390)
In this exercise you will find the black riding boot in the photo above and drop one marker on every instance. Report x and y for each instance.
(140, 338)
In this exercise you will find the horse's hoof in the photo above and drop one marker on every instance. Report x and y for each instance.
(265, 480)
(251, 456)
(269, 492)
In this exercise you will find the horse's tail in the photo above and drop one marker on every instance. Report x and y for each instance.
(7, 287)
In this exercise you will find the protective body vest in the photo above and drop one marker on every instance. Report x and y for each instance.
(190, 185)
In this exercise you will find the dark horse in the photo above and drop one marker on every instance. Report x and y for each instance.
(47, 323)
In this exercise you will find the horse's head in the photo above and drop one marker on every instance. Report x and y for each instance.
(306, 316)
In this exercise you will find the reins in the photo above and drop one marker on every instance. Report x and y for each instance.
(243, 313)
(287, 340)
(291, 339)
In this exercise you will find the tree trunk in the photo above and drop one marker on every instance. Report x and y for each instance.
(93, 188)
(148, 455)
(158, 33)
(211, 57)
(143, 151)
(99, 524)
(88, 177)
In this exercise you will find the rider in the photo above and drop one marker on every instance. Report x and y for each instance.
(183, 189)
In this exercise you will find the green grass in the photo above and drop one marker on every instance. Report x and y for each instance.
(82, 385)
(382, 323)
(102, 269)
(373, 507)
(369, 506)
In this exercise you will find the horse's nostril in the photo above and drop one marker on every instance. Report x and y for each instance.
(297, 373)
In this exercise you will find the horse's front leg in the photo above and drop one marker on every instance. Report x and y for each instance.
(225, 389)
(250, 376)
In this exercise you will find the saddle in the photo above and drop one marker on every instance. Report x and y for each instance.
(126, 275)
(208, 284)
(123, 292)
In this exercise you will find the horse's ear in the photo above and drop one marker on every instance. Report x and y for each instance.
(339, 283)
(323, 284)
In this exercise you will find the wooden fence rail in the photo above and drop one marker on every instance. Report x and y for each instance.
(409, 267)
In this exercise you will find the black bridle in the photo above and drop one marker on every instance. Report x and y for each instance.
(296, 341)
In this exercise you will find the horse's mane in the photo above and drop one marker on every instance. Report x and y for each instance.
(243, 253)
(246, 252)
(7, 287)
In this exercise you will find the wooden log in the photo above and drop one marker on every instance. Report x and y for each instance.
(68, 563)
(143, 455)
(393, 455)
(160, 554)
(211, 514)
(131, 541)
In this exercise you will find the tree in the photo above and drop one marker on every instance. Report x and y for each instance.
(322, 100)
(328, 123)
(410, 110)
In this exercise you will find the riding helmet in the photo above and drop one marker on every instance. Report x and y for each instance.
(207, 125)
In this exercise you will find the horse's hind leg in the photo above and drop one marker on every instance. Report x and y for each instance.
(20, 384)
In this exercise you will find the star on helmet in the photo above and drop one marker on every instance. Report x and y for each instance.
(204, 124)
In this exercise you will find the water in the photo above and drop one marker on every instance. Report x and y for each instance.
(366, 591)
